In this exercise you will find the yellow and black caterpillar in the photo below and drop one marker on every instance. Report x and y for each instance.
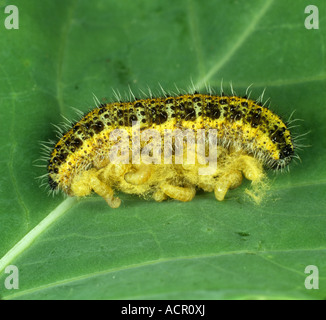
(249, 136)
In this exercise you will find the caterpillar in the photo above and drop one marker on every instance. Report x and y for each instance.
(247, 137)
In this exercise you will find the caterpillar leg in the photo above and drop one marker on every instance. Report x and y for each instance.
(228, 181)
(178, 193)
(88, 181)
(140, 176)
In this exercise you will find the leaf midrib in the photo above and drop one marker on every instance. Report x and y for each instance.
(33, 234)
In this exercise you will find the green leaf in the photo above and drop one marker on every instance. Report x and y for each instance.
(65, 248)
